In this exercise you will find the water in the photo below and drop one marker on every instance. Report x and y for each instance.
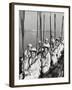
(31, 37)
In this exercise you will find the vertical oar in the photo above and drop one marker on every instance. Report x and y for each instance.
(40, 28)
(43, 26)
(54, 26)
(37, 32)
(41, 38)
(50, 31)
(62, 27)
(22, 29)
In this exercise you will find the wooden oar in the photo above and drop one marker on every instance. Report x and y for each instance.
(54, 26)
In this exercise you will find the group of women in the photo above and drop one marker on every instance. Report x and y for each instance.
(43, 61)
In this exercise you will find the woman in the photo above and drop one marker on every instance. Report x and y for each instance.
(27, 50)
(46, 60)
(55, 52)
(33, 71)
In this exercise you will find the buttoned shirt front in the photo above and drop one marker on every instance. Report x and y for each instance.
(46, 63)
(34, 69)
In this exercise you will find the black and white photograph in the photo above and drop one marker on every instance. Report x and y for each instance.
(41, 44)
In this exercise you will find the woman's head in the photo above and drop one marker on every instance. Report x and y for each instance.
(33, 52)
(46, 40)
(29, 46)
(46, 48)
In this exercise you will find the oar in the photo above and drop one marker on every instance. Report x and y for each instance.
(37, 32)
(54, 26)
(62, 27)
(22, 18)
(43, 26)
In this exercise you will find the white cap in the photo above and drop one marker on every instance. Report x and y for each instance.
(33, 49)
(46, 39)
(30, 45)
(39, 41)
(46, 45)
